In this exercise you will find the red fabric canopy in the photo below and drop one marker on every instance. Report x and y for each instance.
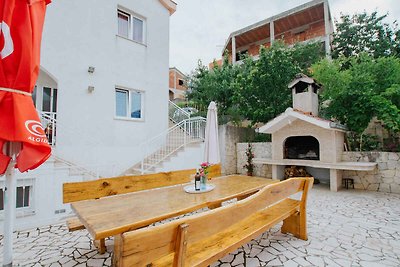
(21, 24)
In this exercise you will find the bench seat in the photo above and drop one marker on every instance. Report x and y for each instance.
(208, 251)
(74, 224)
(201, 239)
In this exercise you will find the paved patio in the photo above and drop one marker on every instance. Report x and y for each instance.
(348, 228)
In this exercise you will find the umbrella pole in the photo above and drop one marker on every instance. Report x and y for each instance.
(9, 204)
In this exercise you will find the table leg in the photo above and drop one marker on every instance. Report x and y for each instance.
(100, 245)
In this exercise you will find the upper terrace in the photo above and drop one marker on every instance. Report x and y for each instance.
(311, 21)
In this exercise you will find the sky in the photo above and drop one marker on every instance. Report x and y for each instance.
(199, 28)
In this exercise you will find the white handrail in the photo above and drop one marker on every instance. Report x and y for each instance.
(160, 147)
(176, 113)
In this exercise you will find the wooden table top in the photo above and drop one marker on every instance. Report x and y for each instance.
(117, 214)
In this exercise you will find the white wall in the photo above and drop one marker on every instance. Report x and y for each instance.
(78, 34)
(189, 158)
(45, 197)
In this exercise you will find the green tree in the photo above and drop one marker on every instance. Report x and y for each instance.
(217, 85)
(368, 88)
(262, 84)
(304, 55)
(365, 33)
(257, 89)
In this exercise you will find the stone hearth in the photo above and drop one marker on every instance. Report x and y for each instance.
(301, 138)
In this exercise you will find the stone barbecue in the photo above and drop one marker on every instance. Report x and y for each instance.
(301, 138)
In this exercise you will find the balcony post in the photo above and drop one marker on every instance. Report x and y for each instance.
(233, 49)
(327, 30)
(271, 32)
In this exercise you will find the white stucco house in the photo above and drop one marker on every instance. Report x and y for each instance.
(101, 92)
(108, 62)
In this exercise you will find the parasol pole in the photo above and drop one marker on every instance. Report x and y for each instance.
(12, 150)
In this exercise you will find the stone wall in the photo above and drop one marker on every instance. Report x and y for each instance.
(261, 150)
(385, 178)
(229, 136)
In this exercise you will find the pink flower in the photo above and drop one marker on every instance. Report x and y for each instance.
(204, 168)
(205, 164)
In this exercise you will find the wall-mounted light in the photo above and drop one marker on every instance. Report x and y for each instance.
(91, 69)
(90, 89)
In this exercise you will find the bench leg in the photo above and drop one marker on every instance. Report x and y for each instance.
(100, 245)
(296, 225)
(214, 205)
(245, 196)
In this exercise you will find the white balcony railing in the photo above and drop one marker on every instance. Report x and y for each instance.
(49, 123)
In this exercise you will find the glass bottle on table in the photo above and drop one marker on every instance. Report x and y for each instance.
(197, 181)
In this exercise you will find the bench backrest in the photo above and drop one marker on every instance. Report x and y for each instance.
(125, 184)
(143, 246)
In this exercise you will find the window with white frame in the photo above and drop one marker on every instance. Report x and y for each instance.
(131, 26)
(128, 103)
(23, 197)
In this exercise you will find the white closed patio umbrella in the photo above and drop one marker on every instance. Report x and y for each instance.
(211, 144)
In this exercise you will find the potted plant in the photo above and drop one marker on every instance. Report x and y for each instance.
(249, 166)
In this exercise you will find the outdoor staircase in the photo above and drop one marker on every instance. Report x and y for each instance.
(57, 167)
(183, 131)
(73, 169)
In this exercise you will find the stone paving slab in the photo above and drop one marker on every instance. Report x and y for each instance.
(347, 228)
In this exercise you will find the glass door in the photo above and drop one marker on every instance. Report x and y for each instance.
(49, 100)
(45, 99)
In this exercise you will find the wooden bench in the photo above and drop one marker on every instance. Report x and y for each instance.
(202, 239)
(96, 189)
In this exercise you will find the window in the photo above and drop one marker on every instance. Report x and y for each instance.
(128, 104)
(240, 55)
(123, 24)
(34, 96)
(49, 101)
(46, 103)
(137, 25)
(180, 82)
(22, 199)
(1, 199)
(130, 26)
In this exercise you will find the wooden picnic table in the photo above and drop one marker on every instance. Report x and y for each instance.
(117, 214)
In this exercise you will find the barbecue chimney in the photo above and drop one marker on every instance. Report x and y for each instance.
(305, 94)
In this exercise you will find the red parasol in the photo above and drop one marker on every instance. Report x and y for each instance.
(21, 32)
(21, 24)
